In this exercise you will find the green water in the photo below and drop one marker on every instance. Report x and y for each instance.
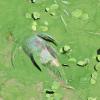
(82, 34)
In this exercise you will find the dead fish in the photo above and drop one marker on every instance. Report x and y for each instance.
(38, 43)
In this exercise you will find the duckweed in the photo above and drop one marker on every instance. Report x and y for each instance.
(85, 16)
(91, 98)
(47, 9)
(72, 60)
(93, 81)
(34, 25)
(54, 7)
(36, 15)
(94, 75)
(98, 58)
(77, 13)
(52, 13)
(28, 15)
(83, 63)
(97, 67)
(65, 49)
(44, 28)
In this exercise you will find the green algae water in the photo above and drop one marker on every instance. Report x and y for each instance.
(75, 24)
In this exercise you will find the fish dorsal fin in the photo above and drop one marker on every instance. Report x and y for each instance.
(47, 37)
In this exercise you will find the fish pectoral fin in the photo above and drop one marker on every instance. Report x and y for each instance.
(34, 62)
(47, 38)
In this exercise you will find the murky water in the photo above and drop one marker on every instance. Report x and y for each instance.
(72, 23)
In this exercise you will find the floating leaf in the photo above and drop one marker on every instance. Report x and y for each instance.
(77, 13)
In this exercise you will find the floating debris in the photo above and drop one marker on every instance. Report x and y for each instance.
(98, 58)
(62, 19)
(28, 16)
(36, 15)
(77, 13)
(66, 12)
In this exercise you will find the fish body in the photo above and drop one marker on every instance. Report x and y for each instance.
(38, 44)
